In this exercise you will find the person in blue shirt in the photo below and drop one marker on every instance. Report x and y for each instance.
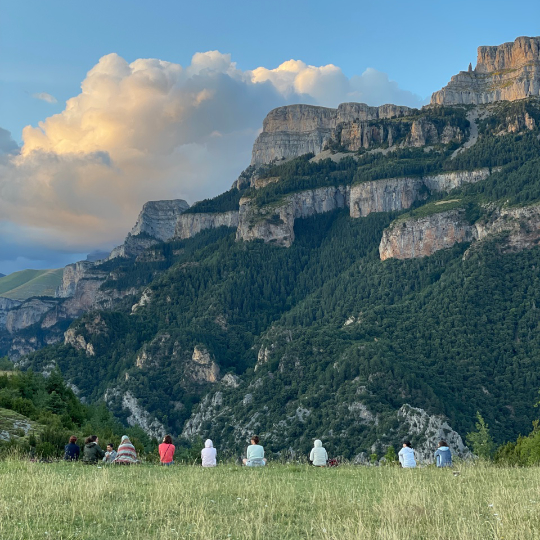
(255, 454)
(72, 450)
(443, 455)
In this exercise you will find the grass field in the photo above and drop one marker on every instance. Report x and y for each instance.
(27, 283)
(68, 501)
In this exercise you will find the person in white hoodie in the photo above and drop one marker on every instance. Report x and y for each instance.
(209, 454)
(318, 455)
(406, 456)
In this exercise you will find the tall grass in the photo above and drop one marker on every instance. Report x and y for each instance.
(68, 501)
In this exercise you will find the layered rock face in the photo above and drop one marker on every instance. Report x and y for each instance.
(189, 225)
(295, 130)
(158, 218)
(509, 71)
(424, 236)
(275, 222)
(156, 222)
(6, 305)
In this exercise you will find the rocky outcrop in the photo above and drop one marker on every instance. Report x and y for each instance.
(203, 369)
(425, 431)
(408, 239)
(275, 223)
(27, 314)
(509, 71)
(420, 237)
(189, 225)
(6, 305)
(295, 130)
(138, 416)
(76, 340)
(156, 222)
(73, 273)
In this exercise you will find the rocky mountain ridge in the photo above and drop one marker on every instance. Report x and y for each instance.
(510, 71)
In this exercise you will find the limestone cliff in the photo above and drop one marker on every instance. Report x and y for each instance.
(156, 222)
(275, 222)
(189, 225)
(6, 305)
(519, 229)
(294, 130)
(509, 71)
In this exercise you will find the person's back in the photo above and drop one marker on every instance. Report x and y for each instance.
(318, 455)
(166, 451)
(209, 454)
(443, 455)
(126, 453)
(92, 452)
(72, 450)
(406, 456)
(255, 454)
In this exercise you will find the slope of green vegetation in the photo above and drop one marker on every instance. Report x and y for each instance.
(331, 329)
(27, 283)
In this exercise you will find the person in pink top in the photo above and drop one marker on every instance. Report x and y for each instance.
(166, 451)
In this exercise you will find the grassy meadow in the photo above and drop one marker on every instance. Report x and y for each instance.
(68, 501)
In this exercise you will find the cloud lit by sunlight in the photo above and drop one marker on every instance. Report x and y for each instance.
(151, 130)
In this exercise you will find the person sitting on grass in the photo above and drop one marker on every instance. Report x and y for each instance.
(209, 454)
(72, 450)
(443, 455)
(166, 451)
(126, 455)
(318, 456)
(406, 456)
(92, 452)
(254, 454)
(110, 454)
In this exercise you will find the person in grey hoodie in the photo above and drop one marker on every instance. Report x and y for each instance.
(406, 456)
(443, 455)
(318, 455)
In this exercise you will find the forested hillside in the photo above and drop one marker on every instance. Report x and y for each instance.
(324, 339)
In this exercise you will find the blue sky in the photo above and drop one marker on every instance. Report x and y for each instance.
(49, 47)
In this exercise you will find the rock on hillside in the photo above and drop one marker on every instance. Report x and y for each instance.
(509, 71)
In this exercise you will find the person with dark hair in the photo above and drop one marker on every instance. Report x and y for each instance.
(406, 456)
(127, 455)
(166, 451)
(443, 455)
(110, 454)
(255, 454)
(208, 454)
(92, 452)
(72, 450)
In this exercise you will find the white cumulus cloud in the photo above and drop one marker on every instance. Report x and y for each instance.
(150, 130)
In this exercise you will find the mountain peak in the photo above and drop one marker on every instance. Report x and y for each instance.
(510, 71)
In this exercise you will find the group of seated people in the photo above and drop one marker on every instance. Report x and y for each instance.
(127, 455)
(93, 453)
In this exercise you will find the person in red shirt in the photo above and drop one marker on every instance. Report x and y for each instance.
(166, 451)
